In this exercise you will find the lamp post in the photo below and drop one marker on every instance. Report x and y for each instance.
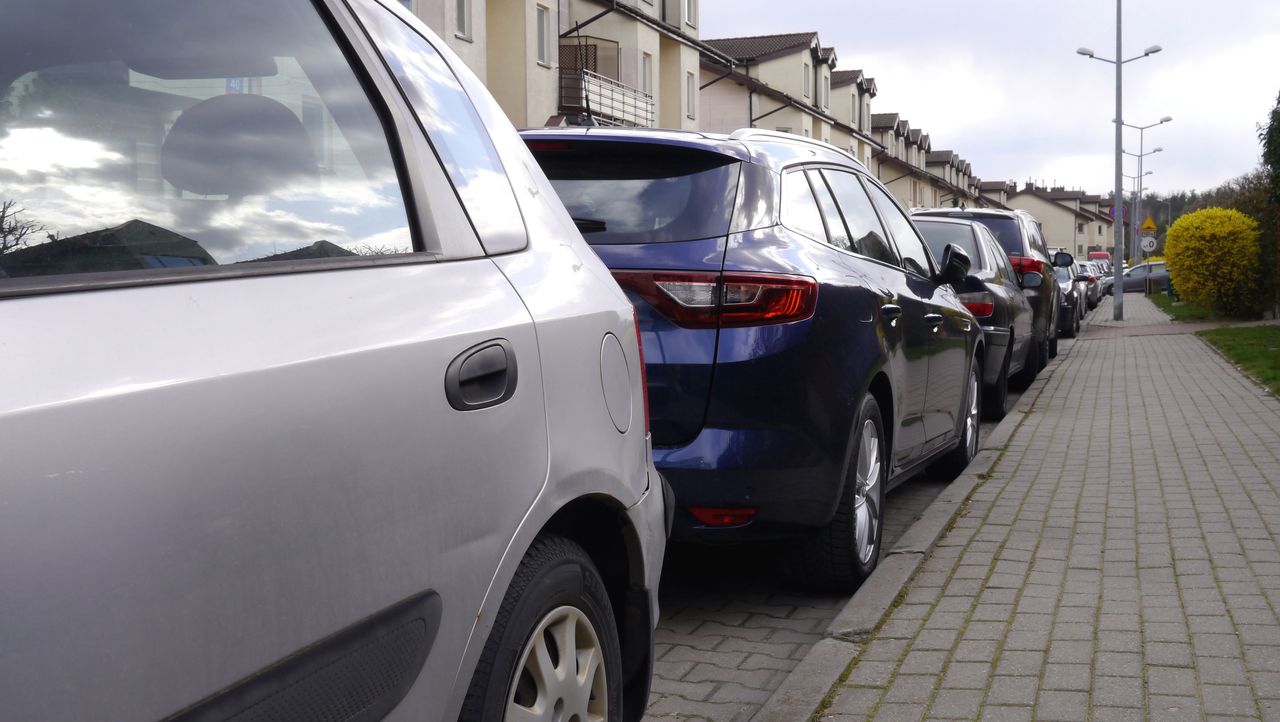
(1142, 129)
(1138, 188)
(1119, 122)
(1134, 223)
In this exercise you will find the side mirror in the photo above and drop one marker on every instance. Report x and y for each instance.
(1032, 279)
(955, 265)
(1063, 259)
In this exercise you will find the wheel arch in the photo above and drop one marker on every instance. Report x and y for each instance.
(600, 525)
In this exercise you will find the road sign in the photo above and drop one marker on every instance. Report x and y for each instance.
(1148, 226)
(1148, 242)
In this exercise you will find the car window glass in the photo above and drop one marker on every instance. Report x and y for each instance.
(996, 253)
(1138, 271)
(915, 257)
(836, 231)
(251, 140)
(860, 217)
(799, 209)
(940, 234)
(625, 193)
(452, 124)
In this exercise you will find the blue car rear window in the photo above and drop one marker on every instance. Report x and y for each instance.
(622, 193)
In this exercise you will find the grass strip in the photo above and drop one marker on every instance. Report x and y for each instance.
(1255, 349)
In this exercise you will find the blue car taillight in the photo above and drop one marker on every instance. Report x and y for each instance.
(710, 300)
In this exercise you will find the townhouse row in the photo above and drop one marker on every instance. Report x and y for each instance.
(642, 63)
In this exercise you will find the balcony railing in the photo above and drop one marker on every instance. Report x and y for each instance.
(604, 100)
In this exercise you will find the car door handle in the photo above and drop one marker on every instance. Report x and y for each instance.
(482, 376)
(933, 319)
(890, 311)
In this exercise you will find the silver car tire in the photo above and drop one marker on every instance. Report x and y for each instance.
(556, 601)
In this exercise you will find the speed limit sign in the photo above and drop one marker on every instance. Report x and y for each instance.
(1148, 244)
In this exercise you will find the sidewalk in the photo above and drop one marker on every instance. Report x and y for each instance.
(1099, 578)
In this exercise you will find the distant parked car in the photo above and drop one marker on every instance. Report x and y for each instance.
(318, 407)
(805, 351)
(1073, 300)
(995, 298)
(1138, 277)
(1020, 236)
(1091, 277)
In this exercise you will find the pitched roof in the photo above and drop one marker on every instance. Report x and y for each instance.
(885, 121)
(939, 157)
(841, 78)
(827, 55)
(757, 47)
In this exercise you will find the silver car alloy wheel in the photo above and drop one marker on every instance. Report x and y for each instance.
(866, 502)
(971, 416)
(561, 675)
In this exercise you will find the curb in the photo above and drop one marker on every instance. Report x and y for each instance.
(825, 664)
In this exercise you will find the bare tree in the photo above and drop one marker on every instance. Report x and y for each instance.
(13, 228)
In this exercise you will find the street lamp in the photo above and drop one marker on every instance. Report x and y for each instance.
(1134, 223)
(1118, 306)
(1138, 188)
(1142, 129)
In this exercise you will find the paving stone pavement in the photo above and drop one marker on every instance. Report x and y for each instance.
(1095, 577)
(732, 628)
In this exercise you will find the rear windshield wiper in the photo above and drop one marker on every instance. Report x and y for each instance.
(589, 225)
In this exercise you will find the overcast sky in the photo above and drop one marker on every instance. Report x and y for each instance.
(999, 81)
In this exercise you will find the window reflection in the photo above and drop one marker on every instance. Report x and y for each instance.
(192, 134)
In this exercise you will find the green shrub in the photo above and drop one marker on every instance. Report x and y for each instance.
(1213, 260)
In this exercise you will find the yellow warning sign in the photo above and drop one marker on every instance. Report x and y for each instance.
(1149, 225)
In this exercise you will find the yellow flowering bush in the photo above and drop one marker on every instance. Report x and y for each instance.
(1213, 260)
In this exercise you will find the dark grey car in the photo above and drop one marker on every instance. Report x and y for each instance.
(995, 297)
(1154, 275)
(317, 406)
(1020, 235)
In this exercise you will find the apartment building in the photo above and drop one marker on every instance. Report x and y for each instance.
(851, 94)
(780, 82)
(1069, 220)
(579, 62)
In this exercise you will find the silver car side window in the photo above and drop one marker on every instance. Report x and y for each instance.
(250, 141)
(453, 126)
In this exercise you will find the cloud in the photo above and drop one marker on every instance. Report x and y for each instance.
(999, 82)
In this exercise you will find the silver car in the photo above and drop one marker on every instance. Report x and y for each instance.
(317, 405)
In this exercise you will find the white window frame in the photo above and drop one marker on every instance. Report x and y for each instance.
(690, 8)
(826, 92)
(690, 96)
(807, 92)
(462, 19)
(542, 16)
(646, 72)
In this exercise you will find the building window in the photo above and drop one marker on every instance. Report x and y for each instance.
(782, 129)
(826, 92)
(691, 12)
(462, 16)
(1099, 229)
(806, 80)
(544, 35)
(1079, 228)
(690, 96)
(646, 73)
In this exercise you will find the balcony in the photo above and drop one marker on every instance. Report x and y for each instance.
(604, 100)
